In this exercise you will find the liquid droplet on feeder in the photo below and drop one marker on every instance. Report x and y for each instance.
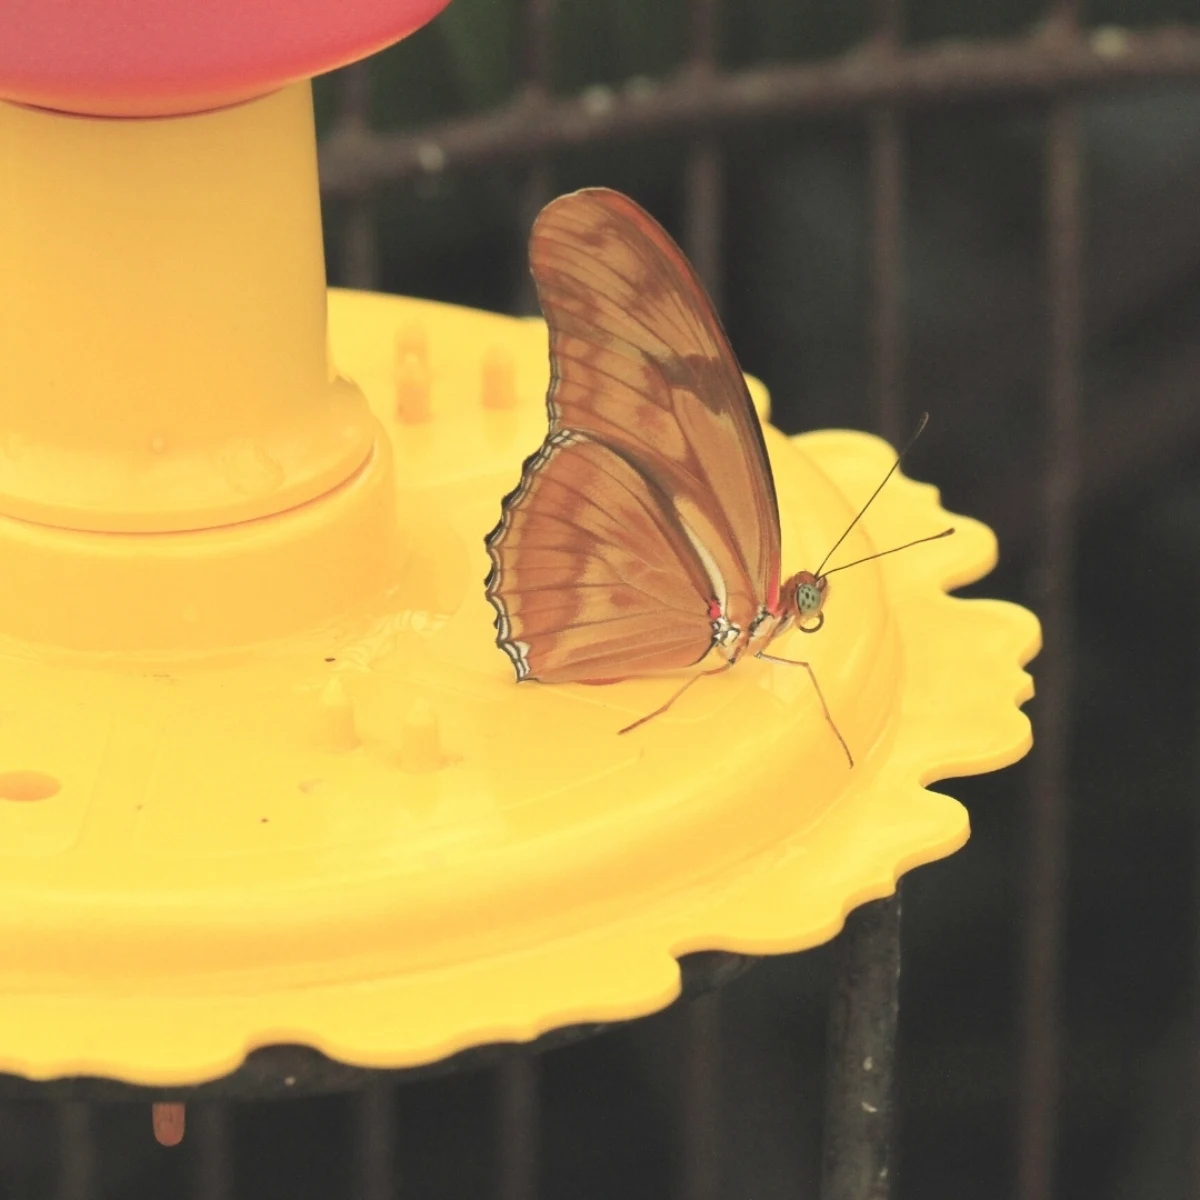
(420, 742)
(412, 390)
(335, 718)
(169, 1122)
(499, 389)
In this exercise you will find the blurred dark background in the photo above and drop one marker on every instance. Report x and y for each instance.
(794, 269)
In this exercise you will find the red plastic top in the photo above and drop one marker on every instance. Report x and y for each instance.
(142, 58)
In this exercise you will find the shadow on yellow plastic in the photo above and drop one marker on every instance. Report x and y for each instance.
(371, 840)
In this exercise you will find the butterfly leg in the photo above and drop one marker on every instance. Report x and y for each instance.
(662, 708)
(795, 662)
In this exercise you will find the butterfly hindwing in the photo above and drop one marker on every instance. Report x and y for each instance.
(587, 579)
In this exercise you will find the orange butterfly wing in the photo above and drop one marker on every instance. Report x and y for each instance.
(639, 359)
(650, 509)
(587, 579)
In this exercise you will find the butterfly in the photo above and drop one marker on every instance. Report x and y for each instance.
(644, 534)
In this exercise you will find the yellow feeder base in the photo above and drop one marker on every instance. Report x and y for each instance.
(371, 840)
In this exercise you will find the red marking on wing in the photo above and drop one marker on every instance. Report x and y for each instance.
(772, 601)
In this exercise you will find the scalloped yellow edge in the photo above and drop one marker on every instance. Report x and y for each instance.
(954, 711)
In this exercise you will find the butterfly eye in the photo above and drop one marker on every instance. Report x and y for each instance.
(808, 599)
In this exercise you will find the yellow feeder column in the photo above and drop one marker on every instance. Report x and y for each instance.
(181, 468)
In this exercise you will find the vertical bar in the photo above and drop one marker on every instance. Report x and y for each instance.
(705, 174)
(1192, 1187)
(701, 1124)
(519, 1126)
(704, 181)
(77, 1165)
(1046, 849)
(537, 45)
(359, 245)
(535, 193)
(885, 321)
(857, 1161)
(377, 1125)
(537, 48)
(360, 250)
(211, 1142)
(703, 212)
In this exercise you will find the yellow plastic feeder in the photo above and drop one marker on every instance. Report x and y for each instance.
(264, 775)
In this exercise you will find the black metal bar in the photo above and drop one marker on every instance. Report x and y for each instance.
(210, 1141)
(1046, 848)
(885, 186)
(360, 247)
(1192, 1147)
(1032, 68)
(537, 45)
(705, 175)
(704, 182)
(857, 1160)
(700, 1101)
(377, 1126)
(703, 212)
(1192, 1167)
(536, 192)
(537, 65)
(77, 1161)
(886, 316)
(359, 250)
(519, 1127)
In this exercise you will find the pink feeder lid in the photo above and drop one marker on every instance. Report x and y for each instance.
(149, 58)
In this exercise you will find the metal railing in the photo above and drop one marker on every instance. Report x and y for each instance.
(876, 82)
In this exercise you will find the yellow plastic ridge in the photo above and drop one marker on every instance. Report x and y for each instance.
(369, 839)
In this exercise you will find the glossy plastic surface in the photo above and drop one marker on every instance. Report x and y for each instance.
(128, 248)
(150, 58)
(370, 839)
(181, 470)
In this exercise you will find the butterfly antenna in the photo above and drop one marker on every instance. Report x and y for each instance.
(871, 499)
(933, 537)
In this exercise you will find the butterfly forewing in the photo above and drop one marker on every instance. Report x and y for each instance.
(639, 360)
(649, 510)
